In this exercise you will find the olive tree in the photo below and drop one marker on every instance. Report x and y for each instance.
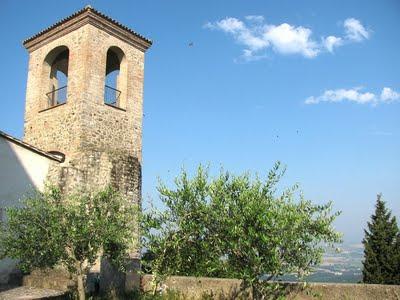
(236, 226)
(70, 231)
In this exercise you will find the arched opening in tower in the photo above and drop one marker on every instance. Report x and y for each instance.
(57, 63)
(112, 89)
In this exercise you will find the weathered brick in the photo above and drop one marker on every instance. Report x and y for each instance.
(102, 144)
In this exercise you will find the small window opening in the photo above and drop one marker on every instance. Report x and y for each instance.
(58, 77)
(112, 91)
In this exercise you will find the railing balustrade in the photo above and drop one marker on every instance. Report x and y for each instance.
(57, 96)
(111, 96)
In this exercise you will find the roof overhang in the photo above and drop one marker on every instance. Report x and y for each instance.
(18, 142)
(87, 15)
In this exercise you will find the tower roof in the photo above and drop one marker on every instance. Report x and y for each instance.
(87, 15)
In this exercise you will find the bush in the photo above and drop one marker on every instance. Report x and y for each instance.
(71, 231)
(235, 226)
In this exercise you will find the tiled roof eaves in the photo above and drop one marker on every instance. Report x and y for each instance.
(79, 12)
(30, 147)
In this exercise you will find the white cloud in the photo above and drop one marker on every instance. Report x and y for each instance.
(248, 55)
(255, 19)
(332, 42)
(382, 133)
(287, 39)
(284, 39)
(231, 25)
(354, 95)
(389, 95)
(256, 36)
(242, 34)
(340, 95)
(355, 31)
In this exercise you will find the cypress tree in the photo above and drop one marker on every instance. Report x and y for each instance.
(397, 260)
(381, 243)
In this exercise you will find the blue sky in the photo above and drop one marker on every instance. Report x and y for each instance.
(313, 84)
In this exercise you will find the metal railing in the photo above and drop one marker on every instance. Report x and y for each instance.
(58, 96)
(111, 96)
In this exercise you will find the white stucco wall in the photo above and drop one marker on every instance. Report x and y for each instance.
(21, 171)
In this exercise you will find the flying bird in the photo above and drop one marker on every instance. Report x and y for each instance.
(191, 44)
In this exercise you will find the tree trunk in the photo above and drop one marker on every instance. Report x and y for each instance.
(81, 288)
(254, 292)
(257, 292)
(155, 288)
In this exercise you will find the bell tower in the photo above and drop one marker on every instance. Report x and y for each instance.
(84, 101)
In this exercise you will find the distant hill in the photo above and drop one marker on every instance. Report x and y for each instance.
(340, 267)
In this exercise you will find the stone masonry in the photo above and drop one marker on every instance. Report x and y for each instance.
(102, 143)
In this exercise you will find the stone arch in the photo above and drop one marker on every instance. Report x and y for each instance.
(115, 77)
(55, 76)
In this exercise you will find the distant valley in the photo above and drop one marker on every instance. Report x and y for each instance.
(344, 266)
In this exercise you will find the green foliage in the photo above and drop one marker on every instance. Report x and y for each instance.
(381, 247)
(396, 277)
(235, 226)
(168, 294)
(72, 231)
(34, 234)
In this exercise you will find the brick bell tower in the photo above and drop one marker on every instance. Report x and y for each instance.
(84, 101)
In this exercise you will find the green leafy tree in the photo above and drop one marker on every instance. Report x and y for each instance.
(381, 247)
(236, 226)
(176, 238)
(52, 230)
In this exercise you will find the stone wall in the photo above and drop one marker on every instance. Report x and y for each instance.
(195, 288)
(93, 170)
(57, 279)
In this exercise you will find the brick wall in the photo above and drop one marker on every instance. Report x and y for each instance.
(102, 144)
